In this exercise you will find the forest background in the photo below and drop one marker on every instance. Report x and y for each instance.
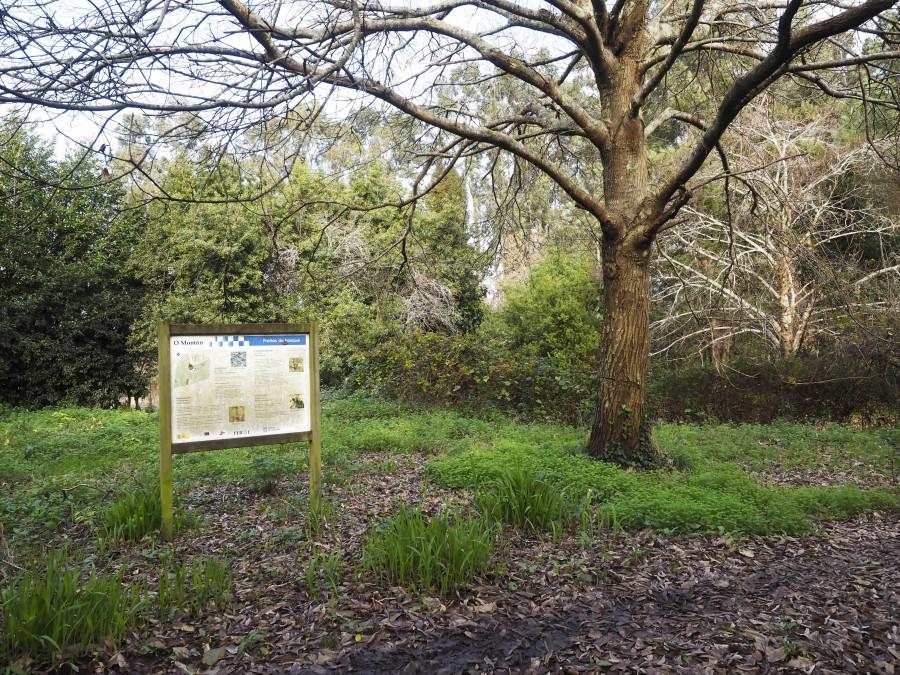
(477, 199)
(779, 297)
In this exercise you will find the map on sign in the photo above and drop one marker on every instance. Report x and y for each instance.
(227, 386)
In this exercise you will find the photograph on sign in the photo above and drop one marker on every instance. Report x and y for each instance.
(231, 386)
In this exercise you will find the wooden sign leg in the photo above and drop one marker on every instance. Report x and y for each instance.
(315, 470)
(167, 529)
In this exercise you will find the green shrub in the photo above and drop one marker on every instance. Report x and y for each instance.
(469, 374)
(52, 607)
(268, 468)
(442, 553)
(555, 313)
(758, 391)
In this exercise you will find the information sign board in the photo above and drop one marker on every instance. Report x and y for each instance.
(237, 385)
(229, 386)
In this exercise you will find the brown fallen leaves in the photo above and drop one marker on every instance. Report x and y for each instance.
(634, 603)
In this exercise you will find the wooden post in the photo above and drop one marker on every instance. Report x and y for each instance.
(165, 432)
(315, 405)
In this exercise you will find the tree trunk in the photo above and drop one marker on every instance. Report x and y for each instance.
(619, 432)
(720, 343)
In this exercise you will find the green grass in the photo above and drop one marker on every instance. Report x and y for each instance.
(438, 554)
(782, 445)
(55, 607)
(44, 454)
(58, 608)
(76, 471)
(713, 494)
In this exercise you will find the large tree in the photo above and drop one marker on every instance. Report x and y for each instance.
(591, 82)
(66, 301)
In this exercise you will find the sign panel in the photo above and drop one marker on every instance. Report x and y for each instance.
(237, 385)
(233, 386)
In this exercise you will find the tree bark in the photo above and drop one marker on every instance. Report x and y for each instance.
(619, 432)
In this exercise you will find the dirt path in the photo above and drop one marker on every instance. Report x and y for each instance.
(822, 605)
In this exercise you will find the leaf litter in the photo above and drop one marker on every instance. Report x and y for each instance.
(636, 602)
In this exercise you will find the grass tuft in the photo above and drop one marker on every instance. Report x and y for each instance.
(440, 554)
(136, 515)
(193, 588)
(51, 608)
(520, 499)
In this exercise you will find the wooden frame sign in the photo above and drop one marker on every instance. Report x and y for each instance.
(233, 386)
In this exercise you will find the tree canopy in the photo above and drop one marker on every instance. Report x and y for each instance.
(66, 300)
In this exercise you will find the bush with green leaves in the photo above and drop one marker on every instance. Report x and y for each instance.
(67, 301)
(759, 391)
(468, 373)
(556, 312)
(438, 554)
(268, 468)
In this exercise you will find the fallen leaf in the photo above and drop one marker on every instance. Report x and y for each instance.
(775, 655)
(213, 656)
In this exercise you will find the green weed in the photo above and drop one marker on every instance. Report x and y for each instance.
(268, 468)
(138, 514)
(53, 607)
(192, 588)
(323, 570)
(442, 553)
(519, 499)
(31, 519)
(45, 452)
(319, 518)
